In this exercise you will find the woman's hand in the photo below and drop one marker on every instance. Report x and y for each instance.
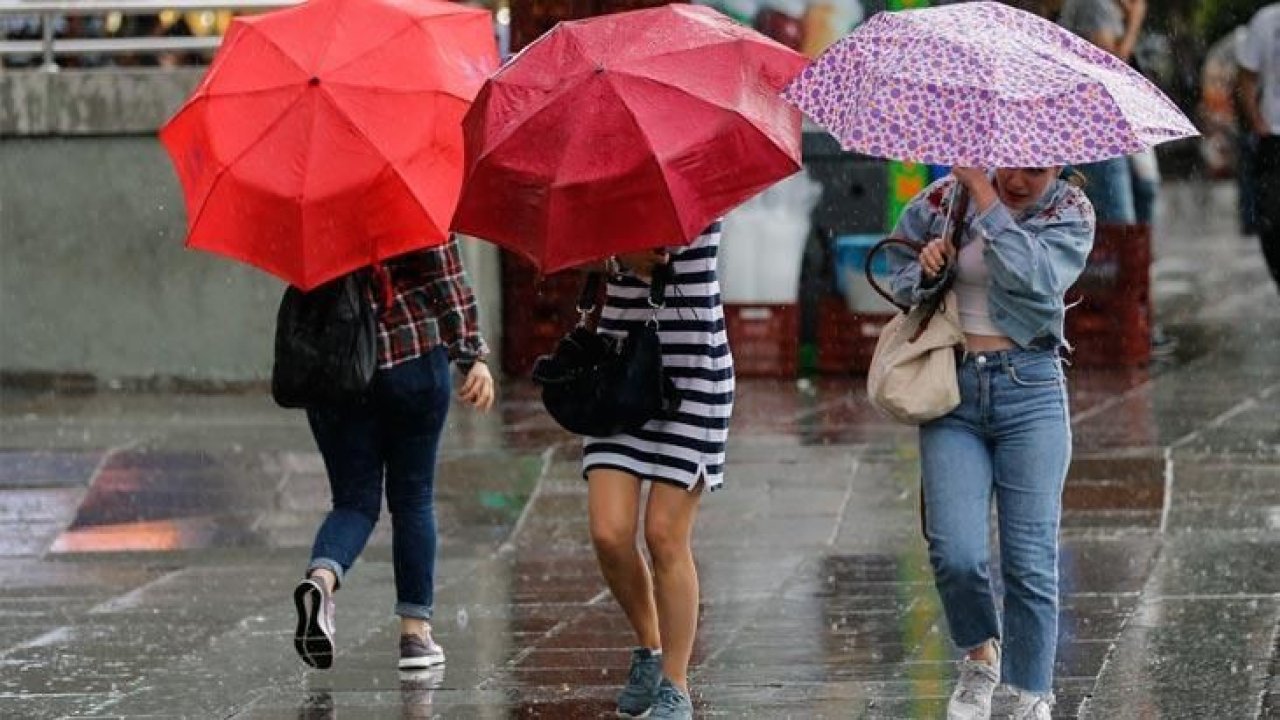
(641, 264)
(935, 256)
(981, 190)
(974, 179)
(477, 390)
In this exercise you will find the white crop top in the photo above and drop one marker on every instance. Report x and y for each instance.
(971, 283)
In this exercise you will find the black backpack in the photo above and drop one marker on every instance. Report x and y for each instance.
(326, 347)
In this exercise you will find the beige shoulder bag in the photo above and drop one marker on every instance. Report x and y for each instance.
(913, 370)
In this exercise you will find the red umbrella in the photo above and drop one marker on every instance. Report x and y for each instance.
(328, 135)
(625, 132)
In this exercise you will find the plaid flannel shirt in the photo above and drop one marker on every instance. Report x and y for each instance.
(429, 303)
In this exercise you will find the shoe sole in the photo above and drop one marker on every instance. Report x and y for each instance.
(421, 663)
(623, 714)
(313, 644)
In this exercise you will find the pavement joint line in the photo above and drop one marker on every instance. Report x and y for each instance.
(548, 458)
(1103, 407)
(1146, 385)
(1222, 418)
(50, 637)
(1266, 701)
(855, 463)
(1167, 501)
(772, 599)
(1217, 597)
(121, 601)
(107, 454)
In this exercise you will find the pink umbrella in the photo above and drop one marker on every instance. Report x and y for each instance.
(981, 84)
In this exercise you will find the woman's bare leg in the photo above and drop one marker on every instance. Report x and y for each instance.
(668, 532)
(613, 508)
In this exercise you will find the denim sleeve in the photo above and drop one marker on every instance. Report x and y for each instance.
(1043, 256)
(906, 283)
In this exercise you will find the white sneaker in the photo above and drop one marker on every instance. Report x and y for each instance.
(971, 700)
(1030, 706)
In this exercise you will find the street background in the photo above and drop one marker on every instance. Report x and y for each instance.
(151, 542)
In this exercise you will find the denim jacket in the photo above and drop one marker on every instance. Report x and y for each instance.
(1032, 258)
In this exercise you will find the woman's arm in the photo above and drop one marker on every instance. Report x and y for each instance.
(457, 312)
(1043, 257)
(909, 285)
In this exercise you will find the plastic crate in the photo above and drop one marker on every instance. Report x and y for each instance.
(765, 339)
(851, 280)
(536, 313)
(1110, 322)
(846, 340)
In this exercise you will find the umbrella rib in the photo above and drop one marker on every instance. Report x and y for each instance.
(283, 53)
(561, 89)
(390, 163)
(733, 110)
(204, 204)
(652, 153)
(414, 22)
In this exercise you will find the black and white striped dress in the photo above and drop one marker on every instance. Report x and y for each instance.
(695, 351)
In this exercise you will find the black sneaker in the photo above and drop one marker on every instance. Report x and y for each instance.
(417, 653)
(313, 639)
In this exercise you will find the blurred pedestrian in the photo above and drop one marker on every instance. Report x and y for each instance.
(1121, 191)
(680, 458)
(1026, 241)
(1259, 88)
(427, 318)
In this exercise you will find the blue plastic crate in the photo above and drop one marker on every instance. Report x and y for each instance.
(851, 257)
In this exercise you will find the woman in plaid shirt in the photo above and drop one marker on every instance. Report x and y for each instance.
(427, 317)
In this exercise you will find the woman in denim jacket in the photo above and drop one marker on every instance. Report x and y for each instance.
(1027, 240)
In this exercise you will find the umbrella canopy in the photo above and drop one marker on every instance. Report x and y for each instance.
(626, 132)
(982, 84)
(328, 135)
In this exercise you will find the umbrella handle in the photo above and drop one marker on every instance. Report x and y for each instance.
(956, 225)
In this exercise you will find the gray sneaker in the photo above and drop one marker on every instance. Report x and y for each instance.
(672, 703)
(637, 698)
(1030, 706)
(971, 700)
(417, 653)
(313, 638)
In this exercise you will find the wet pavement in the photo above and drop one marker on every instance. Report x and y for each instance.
(150, 544)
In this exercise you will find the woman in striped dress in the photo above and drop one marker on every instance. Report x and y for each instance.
(680, 457)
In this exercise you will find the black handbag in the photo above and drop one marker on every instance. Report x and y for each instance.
(599, 385)
(326, 347)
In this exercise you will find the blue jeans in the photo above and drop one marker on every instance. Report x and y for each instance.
(1110, 189)
(1011, 438)
(394, 431)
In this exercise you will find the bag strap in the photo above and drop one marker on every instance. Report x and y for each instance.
(591, 291)
(587, 297)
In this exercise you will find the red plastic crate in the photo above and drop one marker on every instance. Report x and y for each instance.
(536, 313)
(1110, 324)
(846, 340)
(765, 339)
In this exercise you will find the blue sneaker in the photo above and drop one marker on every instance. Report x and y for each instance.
(638, 696)
(672, 703)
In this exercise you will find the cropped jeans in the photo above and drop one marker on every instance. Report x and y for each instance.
(1010, 439)
(393, 433)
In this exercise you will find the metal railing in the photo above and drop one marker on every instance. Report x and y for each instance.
(49, 47)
